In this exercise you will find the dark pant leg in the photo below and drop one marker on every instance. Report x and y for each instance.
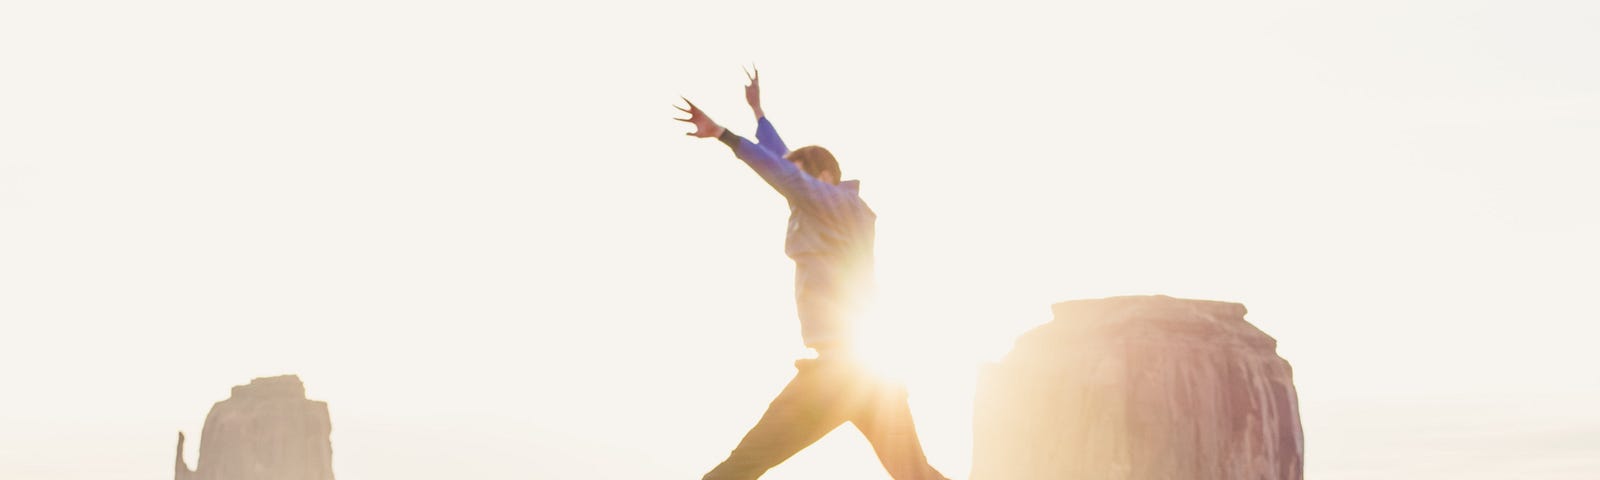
(806, 410)
(885, 419)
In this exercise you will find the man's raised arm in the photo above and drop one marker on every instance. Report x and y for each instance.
(766, 135)
(784, 176)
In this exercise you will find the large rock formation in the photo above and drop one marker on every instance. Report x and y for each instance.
(1139, 388)
(266, 430)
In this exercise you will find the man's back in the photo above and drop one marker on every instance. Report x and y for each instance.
(830, 236)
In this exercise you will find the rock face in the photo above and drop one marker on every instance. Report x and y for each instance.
(266, 430)
(1139, 388)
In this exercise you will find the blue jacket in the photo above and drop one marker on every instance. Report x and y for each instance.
(830, 238)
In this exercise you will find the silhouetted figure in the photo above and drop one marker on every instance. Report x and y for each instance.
(830, 239)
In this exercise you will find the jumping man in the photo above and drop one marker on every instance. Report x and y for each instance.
(830, 239)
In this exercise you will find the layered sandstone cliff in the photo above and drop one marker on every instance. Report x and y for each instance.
(266, 430)
(1139, 388)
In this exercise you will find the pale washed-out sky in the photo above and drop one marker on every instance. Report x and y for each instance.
(473, 229)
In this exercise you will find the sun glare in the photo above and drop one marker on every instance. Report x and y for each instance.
(880, 350)
(902, 345)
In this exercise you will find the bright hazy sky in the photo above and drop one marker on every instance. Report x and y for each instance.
(474, 229)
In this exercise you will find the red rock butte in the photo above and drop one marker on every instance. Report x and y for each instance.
(266, 430)
(1139, 388)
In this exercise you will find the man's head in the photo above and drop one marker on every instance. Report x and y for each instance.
(817, 162)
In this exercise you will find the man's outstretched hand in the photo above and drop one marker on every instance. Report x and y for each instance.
(752, 92)
(703, 126)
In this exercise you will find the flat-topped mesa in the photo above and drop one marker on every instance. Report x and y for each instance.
(1139, 387)
(1146, 318)
(266, 430)
(282, 386)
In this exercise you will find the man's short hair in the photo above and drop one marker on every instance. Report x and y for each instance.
(817, 161)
